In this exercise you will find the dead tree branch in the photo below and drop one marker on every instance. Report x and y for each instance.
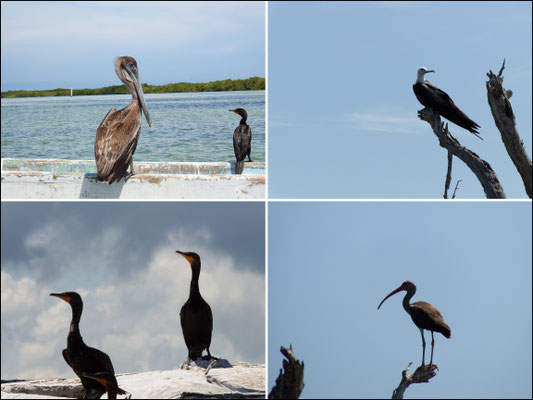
(448, 175)
(503, 115)
(482, 169)
(456, 187)
(422, 374)
(290, 382)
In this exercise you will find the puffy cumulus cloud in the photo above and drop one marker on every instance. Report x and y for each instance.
(135, 319)
(17, 295)
(28, 325)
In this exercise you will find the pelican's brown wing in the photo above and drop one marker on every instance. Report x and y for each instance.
(116, 140)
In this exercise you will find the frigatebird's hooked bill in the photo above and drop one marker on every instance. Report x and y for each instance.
(435, 98)
(118, 134)
(423, 314)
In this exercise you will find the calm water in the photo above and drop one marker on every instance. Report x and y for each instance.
(185, 126)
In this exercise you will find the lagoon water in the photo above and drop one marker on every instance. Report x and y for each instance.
(185, 126)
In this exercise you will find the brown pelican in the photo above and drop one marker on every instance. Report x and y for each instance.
(118, 134)
(242, 140)
(432, 97)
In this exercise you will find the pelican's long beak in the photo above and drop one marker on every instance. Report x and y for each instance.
(431, 70)
(390, 294)
(132, 72)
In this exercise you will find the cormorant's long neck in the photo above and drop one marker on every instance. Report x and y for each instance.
(195, 288)
(410, 293)
(243, 120)
(74, 336)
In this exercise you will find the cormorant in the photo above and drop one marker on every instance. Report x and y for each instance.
(431, 96)
(242, 140)
(82, 358)
(195, 315)
(118, 134)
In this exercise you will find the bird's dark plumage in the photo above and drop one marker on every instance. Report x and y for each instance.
(242, 140)
(423, 314)
(82, 358)
(435, 98)
(109, 381)
(195, 316)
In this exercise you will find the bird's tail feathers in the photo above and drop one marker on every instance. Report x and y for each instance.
(239, 167)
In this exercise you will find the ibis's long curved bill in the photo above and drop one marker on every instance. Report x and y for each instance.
(390, 294)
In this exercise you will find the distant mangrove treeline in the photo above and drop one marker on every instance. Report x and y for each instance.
(253, 83)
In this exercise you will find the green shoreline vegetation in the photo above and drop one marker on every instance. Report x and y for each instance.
(253, 83)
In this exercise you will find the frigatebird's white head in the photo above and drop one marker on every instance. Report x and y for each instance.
(421, 72)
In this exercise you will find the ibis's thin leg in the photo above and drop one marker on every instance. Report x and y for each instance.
(432, 343)
(423, 346)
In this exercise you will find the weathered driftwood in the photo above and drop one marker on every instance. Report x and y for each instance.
(482, 169)
(422, 374)
(501, 109)
(290, 382)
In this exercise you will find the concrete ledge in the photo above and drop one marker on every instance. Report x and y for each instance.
(66, 179)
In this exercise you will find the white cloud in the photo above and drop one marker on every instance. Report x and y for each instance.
(143, 23)
(134, 319)
(383, 121)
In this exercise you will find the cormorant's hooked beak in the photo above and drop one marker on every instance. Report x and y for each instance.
(186, 256)
(429, 70)
(391, 293)
(133, 74)
(61, 296)
(235, 111)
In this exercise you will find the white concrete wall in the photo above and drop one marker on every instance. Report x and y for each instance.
(26, 184)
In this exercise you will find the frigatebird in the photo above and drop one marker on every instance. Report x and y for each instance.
(423, 314)
(435, 98)
(118, 134)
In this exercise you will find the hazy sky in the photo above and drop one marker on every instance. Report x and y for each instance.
(121, 258)
(46, 45)
(331, 264)
(342, 113)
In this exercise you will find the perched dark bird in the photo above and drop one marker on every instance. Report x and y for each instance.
(118, 134)
(108, 380)
(423, 314)
(82, 358)
(195, 315)
(242, 140)
(432, 97)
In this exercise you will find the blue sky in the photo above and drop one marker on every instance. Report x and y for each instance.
(342, 114)
(46, 45)
(331, 264)
(132, 282)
